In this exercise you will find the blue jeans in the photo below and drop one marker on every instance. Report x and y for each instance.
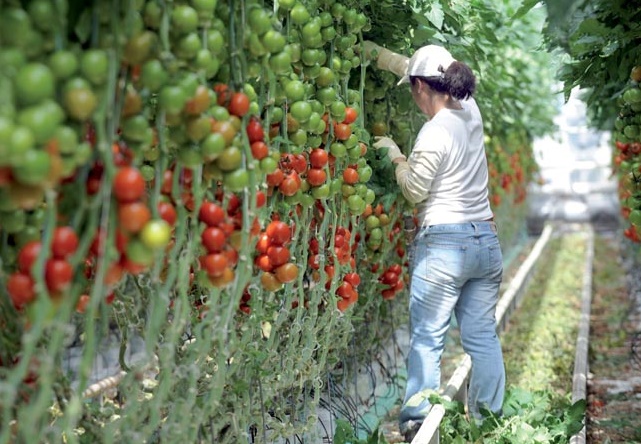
(455, 268)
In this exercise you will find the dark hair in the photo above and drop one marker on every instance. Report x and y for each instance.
(458, 81)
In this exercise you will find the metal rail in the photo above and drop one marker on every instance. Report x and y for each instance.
(456, 387)
(581, 368)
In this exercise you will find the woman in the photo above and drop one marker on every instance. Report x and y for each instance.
(457, 266)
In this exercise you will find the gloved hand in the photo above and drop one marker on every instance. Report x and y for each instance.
(393, 151)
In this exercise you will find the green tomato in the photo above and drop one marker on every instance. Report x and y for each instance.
(356, 204)
(259, 20)
(216, 42)
(301, 111)
(172, 99)
(138, 252)
(299, 14)
(63, 64)
(42, 119)
(295, 90)
(34, 82)
(67, 139)
(230, 159)
(184, 19)
(338, 149)
(281, 63)
(190, 156)
(268, 165)
(22, 141)
(635, 218)
(236, 180)
(80, 103)
(212, 146)
(321, 192)
(94, 66)
(13, 221)
(364, 173)
(33, 168)
(273, 41)
(153, 75)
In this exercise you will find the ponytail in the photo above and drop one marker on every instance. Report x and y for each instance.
(458, 81)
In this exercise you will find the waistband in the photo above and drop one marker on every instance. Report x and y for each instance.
(473, 226)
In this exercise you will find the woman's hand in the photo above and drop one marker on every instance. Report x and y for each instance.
(393, 151)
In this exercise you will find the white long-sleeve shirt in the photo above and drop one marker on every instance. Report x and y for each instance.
(446, 174)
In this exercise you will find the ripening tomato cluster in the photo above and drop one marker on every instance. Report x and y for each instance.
(273, 256)
(392, 279)
(156, 130)
(627, 161)
(58, 271)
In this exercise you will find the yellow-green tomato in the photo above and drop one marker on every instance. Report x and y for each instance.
(156, 234)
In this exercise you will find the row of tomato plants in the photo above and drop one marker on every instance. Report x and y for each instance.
(174, 165)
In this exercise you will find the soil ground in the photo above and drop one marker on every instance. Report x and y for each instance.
(614, 383)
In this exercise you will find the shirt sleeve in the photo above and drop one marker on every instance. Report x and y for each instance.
(415, 176)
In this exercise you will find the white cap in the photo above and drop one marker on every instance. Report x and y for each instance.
(428, 61)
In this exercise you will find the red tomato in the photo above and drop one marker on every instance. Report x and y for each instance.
(167, 182)
(263, 243)
(263, 263)
(232, 256)
(64, 242)
(318, 158)
(342, 131)
(261, 199)
(279, 232)
(313, 261)
(28, 255)
(20, 287)
(82, 303)
(350, 115)
(350, 176)
(339, 240)
(275, 178)
(278, 255)
(239, 104)
(259, 150)
(222, 93)
(345, 290)
(255, 130)
(213, 239)
(114, 274)
(211, 214)
(395, 268)
(314, 246)
(133, 216)
(353, 278)
(167, 211)
(58, 274)
(389, 278)
(388, 293)
(290, 184)
(316, 176)
(129, 185)
(215, 264)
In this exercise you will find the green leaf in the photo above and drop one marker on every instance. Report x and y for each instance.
(577, 410)
(524, 9)
(344, 433)
(435, 15)
(594, 27)
(83, 26)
